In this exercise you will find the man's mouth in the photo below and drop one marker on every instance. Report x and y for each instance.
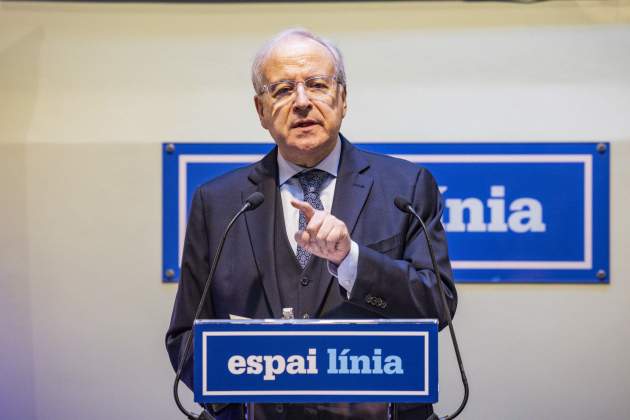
(304, 123)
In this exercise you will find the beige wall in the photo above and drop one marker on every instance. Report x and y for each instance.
(89, 91)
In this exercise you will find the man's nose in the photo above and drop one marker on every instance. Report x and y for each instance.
(302, 101)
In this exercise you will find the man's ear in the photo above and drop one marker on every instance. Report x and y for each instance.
(260, 110)
(345, 103)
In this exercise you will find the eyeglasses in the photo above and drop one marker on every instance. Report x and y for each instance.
(316, 87)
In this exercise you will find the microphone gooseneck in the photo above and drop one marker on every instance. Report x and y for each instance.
(252, 202)
(406, 207)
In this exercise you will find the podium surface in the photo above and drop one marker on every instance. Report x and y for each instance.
(315, 361)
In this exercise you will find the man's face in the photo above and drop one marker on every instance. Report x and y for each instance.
(305, 125)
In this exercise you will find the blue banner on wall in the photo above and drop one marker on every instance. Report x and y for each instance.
(316, 361)
(514, 212)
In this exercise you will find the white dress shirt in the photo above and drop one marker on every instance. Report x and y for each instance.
(346, 272)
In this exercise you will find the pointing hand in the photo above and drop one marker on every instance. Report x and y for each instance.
(324, 236)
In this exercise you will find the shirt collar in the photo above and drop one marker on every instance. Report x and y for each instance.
(330, 164)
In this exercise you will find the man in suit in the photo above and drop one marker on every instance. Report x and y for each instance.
(328, 241)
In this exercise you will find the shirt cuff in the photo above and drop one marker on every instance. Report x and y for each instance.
(346, 272)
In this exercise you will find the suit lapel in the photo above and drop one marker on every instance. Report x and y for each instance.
(351, 192)
(353, 185)
(260, 225)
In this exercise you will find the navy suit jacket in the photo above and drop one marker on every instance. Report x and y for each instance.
(395, 278)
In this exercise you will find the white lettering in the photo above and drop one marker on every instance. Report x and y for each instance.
(332, 361)
(295, 364)
(527, 216)
(376, 359)
(393, 365)
(312, 361)
(456, 208)
(363, 363)
(497, 209)
(468, 214)
(339, 362)
(343, 361)
(236, 365)
(254, 365)
(274, 365)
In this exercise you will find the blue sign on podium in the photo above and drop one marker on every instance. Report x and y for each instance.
(315, 361)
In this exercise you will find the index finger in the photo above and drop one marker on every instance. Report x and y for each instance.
(304, 207)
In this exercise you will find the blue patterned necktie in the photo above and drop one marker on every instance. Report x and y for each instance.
(311, 183)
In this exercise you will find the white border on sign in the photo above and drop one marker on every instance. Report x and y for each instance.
(586, 160)
(207, 392)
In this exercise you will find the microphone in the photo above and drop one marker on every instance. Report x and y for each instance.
(406, 207)
(252, 202)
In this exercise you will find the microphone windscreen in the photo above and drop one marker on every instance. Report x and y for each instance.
(255, 200)
(402, 204)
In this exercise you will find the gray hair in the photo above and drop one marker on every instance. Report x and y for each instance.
(263, 54)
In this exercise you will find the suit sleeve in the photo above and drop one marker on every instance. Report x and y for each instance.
(407, 287)
(195, 268)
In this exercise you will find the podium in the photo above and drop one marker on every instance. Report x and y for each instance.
(302, 361)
